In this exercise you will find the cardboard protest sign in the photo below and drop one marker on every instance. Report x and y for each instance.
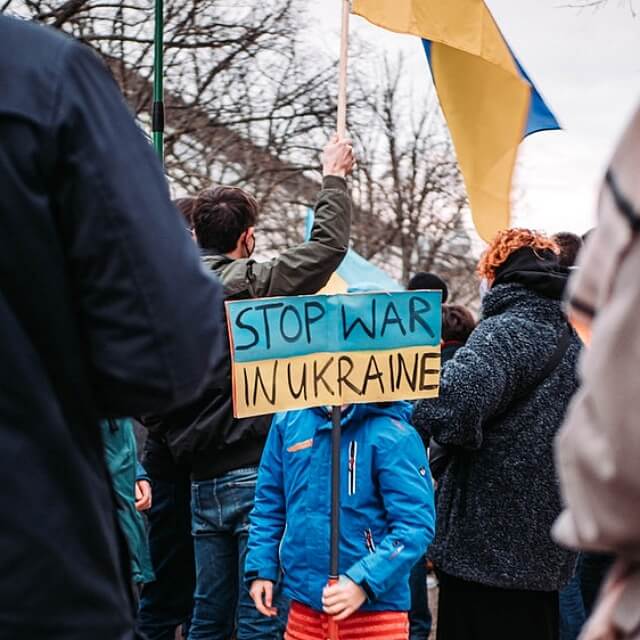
(308, 351)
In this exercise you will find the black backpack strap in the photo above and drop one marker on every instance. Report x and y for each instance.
(550, 367)
(440, 455)
(558, 354)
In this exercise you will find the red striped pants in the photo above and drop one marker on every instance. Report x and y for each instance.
(307, 624)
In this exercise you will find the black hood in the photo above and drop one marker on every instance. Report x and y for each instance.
(538, 270)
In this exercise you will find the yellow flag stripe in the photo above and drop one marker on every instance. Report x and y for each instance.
(486, 111)
(484, 99)
(466, 25)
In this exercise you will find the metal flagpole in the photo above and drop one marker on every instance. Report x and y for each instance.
(334, 554)
(157, 114)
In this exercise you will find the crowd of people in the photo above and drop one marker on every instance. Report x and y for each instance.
(111, 303)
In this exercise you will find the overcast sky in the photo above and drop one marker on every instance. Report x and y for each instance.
(586, 63)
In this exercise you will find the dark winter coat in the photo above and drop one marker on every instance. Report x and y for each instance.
(105, 311)
(204, 434)
(499, 495)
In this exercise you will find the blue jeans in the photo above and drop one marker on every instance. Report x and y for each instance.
(420, 615)
(167, 602)
(220, 526)
(572, 616)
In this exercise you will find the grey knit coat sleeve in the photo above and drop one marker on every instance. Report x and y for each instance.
(480, 381)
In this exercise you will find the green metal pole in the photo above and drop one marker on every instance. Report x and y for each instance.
(157, 114)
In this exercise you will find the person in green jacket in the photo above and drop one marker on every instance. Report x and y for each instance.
(133, 493)
(222, 452)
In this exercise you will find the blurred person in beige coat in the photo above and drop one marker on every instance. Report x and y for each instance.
(598, 449)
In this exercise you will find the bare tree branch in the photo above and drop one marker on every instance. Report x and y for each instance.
(245, 107)
(598, 4)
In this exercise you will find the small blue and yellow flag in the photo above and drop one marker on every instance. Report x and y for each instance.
(488, 99)
(355, 271)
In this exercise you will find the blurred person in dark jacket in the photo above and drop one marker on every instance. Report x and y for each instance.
(105, 312)
(167, 602)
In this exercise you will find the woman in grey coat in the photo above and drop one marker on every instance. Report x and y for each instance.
(502, 400)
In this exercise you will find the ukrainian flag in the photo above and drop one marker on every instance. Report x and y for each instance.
(354, 271)
(488, 99)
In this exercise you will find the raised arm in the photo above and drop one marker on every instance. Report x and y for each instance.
(306, 268)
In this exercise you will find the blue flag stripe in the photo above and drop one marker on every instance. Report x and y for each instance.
(356, 270)
(540, 117)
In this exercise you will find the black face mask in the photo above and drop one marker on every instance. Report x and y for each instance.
(248, 251)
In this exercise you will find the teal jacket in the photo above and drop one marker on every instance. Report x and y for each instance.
(120, 454)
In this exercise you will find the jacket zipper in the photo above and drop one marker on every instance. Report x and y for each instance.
(353, 455)
(369, 541)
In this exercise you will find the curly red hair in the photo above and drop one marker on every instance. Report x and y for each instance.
(508, 241)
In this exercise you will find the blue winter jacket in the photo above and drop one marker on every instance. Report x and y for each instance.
(387, 515)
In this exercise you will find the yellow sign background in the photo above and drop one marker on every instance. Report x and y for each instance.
(284, 384)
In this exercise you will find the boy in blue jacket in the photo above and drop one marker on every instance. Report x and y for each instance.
(387, 520)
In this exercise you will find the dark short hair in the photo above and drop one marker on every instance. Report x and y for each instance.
(185, 207)
(457, 322)
(221, 215)
(570, 245)
(424, 280)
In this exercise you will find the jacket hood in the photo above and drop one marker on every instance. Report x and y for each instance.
(357, 412)
(536, 270)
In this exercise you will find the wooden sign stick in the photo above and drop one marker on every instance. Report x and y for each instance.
(337, 412)
(342, 77)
